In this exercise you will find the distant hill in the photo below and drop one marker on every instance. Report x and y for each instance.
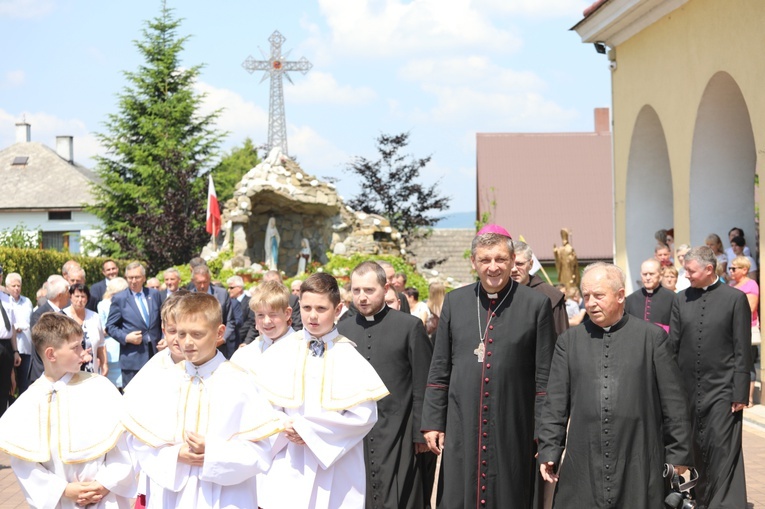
(458, 220)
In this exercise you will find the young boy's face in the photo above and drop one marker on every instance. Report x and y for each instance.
(171, 337)
(272, 323)
(318, 313)
(198, 338)
(67, 358)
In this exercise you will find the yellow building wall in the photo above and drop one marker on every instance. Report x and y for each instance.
(668, 66)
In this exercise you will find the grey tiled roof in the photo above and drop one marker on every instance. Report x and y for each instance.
(47, 180)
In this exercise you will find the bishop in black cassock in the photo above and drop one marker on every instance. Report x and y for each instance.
(489, 372)
(653, 302)
(615, 401)
(397, 346)
(710, 330)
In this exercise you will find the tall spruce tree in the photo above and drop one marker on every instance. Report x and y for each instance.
(152, 194)
(390, 188)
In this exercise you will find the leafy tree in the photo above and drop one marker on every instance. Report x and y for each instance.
(152, 194)
(390, 187)
(232, 168)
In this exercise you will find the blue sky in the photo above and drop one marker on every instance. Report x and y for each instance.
(441, 69)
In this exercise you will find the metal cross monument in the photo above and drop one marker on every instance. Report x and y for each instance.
(276, 66)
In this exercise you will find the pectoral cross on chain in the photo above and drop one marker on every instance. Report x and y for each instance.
(479, 352)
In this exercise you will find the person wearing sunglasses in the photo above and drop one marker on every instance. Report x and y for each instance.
(739, 278)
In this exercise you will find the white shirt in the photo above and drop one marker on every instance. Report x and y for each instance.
(22, 309)
(5, 301)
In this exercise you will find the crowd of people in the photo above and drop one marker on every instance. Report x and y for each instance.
(508, 392)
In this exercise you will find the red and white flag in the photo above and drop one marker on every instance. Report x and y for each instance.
(213, 211)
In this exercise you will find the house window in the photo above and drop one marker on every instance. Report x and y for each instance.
(58, 241)
(20, 161)
(60, 215)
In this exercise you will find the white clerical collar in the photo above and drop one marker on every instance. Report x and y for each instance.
(371, 318)
(58, 384)
(649, 292)
(496, 295)
(207, 368)
(327, 338)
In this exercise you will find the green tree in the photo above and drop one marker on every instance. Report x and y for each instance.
(152, 194)
(389, 187)
(232, 168)
(20, 237)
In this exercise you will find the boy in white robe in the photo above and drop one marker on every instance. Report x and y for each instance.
(197, 427)
(64, 436)
(329, 393)
(169, 355)
(271, 304)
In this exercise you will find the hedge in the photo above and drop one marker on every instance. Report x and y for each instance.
(35, 265)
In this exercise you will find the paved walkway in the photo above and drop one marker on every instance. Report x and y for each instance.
(754, 456)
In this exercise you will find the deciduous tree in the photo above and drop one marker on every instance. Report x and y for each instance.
(390, 187)
(232, 167)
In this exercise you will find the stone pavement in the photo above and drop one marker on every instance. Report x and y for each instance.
(754, 457)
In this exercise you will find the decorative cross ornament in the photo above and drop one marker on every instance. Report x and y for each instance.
(276, 66)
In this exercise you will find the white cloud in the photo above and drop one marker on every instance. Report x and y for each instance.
(45, 128)
(13, 79)
(482, 110)
(476, 71)
(321, 87)
(538, 8)
(25, 8)
(474, 93)
(316, 155)
(396, 27)
(239, 116)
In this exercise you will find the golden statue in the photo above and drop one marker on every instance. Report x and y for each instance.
(566, 262)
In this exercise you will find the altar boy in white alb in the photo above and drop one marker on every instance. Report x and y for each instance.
(329, 393)
(271, 304)
(67, 445)
(199, 428)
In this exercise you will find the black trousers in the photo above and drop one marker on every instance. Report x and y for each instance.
(6, 367)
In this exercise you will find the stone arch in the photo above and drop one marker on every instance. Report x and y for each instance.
(723, 161)
(649, 199)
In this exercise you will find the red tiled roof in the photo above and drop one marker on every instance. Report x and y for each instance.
(594, 7)
(547, 181)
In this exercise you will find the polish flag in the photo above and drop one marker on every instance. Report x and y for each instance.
(213, 211)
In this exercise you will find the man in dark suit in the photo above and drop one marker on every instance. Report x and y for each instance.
(110, 270)
(390, 274)
(172, 281)
(200, 276)
(235, 286)
(134, 320)
(57, 298)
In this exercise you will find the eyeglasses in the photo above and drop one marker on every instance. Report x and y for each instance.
(733, 269)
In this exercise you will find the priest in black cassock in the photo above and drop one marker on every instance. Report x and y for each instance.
(520, 273)
(489, 371)
(616, 403)
(653, 302)
(397, 346)
(524, 261)
(710, 330)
